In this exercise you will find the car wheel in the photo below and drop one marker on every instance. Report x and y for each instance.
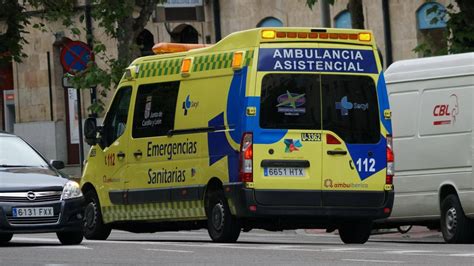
(94, 227)
(70, 238)
(222, 226)
(355, 232)
(5, 237)
(455, 226)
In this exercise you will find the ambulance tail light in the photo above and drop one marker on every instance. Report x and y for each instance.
(390, 161)
(246, 158)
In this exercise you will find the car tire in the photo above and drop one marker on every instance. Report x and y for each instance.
(5, 237)
(94, 227)
(70, 238)
(222, 226)
(355, 232)
(455, 226)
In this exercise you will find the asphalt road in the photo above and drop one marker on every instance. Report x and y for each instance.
(301, 247)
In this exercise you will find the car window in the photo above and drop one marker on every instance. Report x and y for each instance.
(290, 101)
(350, 108)
(116, 120)
(155, 109)
(15, 152)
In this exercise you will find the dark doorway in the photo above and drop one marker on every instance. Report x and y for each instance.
(145, 42)
(185, 34)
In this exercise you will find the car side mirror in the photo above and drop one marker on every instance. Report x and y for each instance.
(90, 131)
(57, 164)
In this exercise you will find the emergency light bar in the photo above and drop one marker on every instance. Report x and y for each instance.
(166, 48)
(272, 34)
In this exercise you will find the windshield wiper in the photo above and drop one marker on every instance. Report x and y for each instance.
(17, 165)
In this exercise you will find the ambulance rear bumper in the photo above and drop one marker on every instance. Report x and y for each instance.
(334, 205)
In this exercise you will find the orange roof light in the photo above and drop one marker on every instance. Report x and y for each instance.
(365, 36)
(268, 34)
(166, 48)
(237, 60)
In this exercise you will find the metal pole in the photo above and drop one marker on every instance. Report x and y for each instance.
(79, 117)
(325, 17)
(90, 40)
(50, 87)
(387, 33)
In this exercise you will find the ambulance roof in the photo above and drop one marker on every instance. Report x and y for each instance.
(430, 68)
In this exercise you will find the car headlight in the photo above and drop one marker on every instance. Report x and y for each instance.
(71, 191)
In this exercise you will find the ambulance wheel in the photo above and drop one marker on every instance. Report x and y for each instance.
(70, 238)
(221, 225)
(355, 232)
(455, 226)
(94, 228)
(5, 237)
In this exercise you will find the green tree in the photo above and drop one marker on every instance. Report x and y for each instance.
(122, 20)
(355, 9)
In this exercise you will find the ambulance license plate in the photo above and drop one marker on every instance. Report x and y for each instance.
(280, 171)
(33, 212)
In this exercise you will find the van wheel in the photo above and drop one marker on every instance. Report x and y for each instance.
(355, 232)
(455, 226)
(94, 228)
(221, 225)
(70, 238)
(5, 237)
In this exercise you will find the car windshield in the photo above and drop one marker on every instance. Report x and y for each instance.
(14, 152)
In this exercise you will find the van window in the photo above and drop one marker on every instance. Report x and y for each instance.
(116, 119)
(290, 101)
(350, 108)
(155, 109)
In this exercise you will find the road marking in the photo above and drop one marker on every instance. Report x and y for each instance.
(408, 251)
(342, 249)
(462, 255)
(375, 261)
(170, 250)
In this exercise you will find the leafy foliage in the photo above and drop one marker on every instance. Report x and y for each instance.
(116, 17)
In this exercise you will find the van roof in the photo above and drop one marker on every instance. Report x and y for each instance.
(430, 68)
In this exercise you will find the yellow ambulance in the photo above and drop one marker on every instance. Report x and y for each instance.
(274, 129)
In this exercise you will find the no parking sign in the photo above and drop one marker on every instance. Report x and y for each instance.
(75, 56)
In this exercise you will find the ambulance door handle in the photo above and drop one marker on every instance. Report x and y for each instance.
(336, 152)
(138, 153)
(120, 155)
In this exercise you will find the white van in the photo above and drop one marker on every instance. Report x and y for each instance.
(432, 116)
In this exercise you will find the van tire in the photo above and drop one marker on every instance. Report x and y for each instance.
(455, 226)
(94, 227)
(222, 226)
(355, 232)
(70, 238)
(5, 237)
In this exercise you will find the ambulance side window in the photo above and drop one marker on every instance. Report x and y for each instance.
(350, 108)
(155, 109)
(116, 119)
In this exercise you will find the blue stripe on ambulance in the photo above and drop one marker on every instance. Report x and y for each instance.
(383, 102)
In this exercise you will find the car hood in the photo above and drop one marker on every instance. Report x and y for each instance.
(30, 178)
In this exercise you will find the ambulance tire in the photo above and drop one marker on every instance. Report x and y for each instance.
(70, 238)
(5, 237)
(355, 232)
(455, 226)
(94, 227)
(222, 226)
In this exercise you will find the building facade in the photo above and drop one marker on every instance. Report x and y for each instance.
(36, 106)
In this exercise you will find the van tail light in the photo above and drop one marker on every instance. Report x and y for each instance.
(246, 158)
(390, 161)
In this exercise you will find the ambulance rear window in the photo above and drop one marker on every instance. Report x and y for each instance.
(350, 108)
(290, 101)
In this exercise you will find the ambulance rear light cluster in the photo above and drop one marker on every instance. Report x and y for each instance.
(390, 161)
(271, 34)
(246, 158)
